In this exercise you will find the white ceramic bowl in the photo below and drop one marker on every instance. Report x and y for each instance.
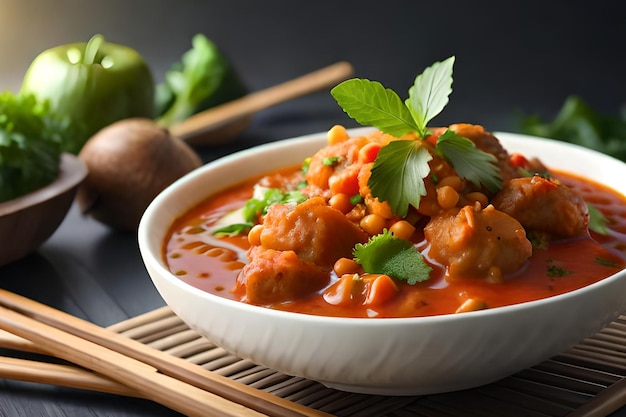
(403, 356)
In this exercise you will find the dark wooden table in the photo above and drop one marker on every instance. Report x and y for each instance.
(525, 58)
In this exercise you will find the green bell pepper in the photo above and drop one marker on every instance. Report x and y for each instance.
(91, 85)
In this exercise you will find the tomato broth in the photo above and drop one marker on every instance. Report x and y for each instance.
(212, 264)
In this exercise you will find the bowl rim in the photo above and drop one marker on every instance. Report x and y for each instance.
(72, 171)
(156, 262)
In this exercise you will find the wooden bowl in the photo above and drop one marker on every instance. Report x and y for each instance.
(28, 221)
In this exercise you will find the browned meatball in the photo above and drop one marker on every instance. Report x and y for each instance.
(475, 243)
(544, 205)
(313, 230)
(274, 276)
(299, 246)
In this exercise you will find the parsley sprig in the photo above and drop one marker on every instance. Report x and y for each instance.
(386, 254)
(400, 168)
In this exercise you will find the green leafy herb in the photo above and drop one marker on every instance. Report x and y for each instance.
(580, 124)
(606, 262)
(554, 269)
(30, 145)
(470, 163)
(371, 104)
(398, 174)
(400, 168)
(429, 94)
(256, 207)
(204, 78)
(234, 229)
(538, 240)
(356, 199)
(305, 166)
(249, 214)
(597, 221)
(398, 258)
(330, 161)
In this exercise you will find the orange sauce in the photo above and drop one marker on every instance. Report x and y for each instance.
(212, 264)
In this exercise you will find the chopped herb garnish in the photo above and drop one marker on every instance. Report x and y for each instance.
(606, 262)
(356, 199)
(234, 229)
(330, 161)
(597, 221)
(369, 103)
(305, 166)
(538, 240)
(389, 255)
(554, 269)
(256, 207)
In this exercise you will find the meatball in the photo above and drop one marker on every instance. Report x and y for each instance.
(299, 245)
(275, 276)
(313, 230)
(544, 205)
(477, 243)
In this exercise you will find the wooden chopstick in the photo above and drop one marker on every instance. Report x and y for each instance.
(251, 103)
(62, 375)
(156, 386)
(180, 371)
(52, 373)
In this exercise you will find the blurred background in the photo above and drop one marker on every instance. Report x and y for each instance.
(525, 57)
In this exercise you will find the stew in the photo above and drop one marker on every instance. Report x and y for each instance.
(532, 238)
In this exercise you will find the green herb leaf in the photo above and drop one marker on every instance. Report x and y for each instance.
(30, 145)
(597, 221)
(429, 93)
(606, 262)
(234, 229)
(371, 104)
(203, 78)
(330, 161)
(356, 199)
(476, 166)
(255, 207)
(241, 220)
(555, 269)
(398, 174)
(580, 124)
(398, 258)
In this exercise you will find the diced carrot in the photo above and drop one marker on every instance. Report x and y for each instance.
(344, 290)
(518, 160)
(369, 152)
(381, 290)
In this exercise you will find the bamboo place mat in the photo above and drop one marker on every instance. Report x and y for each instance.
(586, 380)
